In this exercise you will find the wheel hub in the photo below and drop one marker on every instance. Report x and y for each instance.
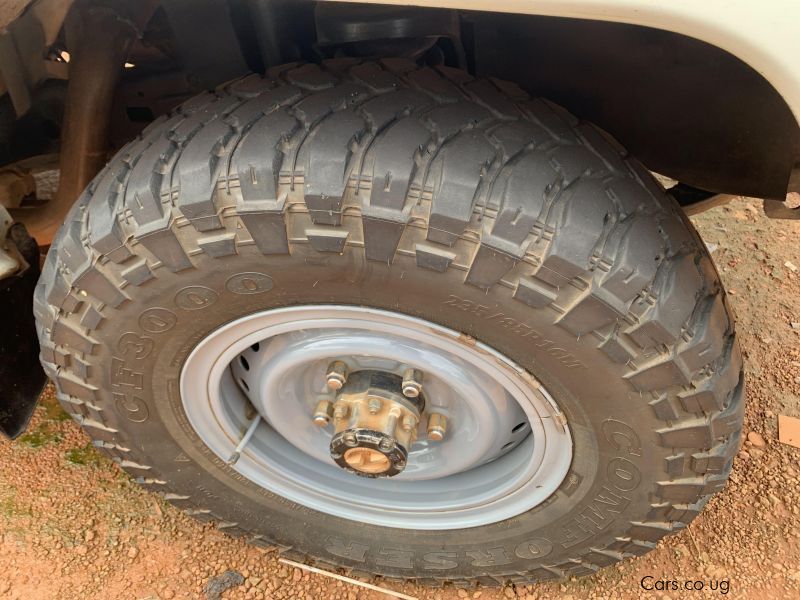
(374, 423)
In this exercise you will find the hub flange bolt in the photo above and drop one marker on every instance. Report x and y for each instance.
(323, 413)
(412, 383)
(437, 427)
(374, 405)
(340, 411)
(386, 445)
(350, 439)
(336, 375)
(409, 422)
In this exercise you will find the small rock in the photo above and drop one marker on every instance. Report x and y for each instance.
(756, 439)
(88, 536)
(133, 552)
(217, 585)
(509, 593)
(791, 266)
(794, 325)
(462, 594)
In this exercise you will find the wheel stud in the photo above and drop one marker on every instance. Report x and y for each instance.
(412, 383)
(437, 427)
(336, 375)
(323, 413)
(409, 422)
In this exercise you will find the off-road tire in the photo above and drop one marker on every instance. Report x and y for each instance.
(424, 191)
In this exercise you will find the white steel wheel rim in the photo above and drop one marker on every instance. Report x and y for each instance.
(283, 455)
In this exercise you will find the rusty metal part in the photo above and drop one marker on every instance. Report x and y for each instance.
(412, 383)
(336, 375)
(98, 38)
(374, 424)
(323, 413)
(437, 427)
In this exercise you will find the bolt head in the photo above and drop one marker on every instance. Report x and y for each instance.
(340, 412)
(412, 383)
(374, 405)
(322, 413)
(335, 382)
(350, 439)
(336, 375)
(437, 427)
(411, 391)
(386, 444)
(437, 435)
(409, 423)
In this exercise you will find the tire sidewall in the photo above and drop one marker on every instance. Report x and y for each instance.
(616, 460)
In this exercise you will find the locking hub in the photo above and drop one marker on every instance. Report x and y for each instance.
(374, 424)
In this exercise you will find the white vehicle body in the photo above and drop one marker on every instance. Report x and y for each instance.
(761, 34)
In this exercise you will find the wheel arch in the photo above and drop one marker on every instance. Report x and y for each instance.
(706, 83)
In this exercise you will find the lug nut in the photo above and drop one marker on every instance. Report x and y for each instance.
(412, 383)
(323, 413)
(409, 422)
(374, 405)
(437, 427)
(336, 375)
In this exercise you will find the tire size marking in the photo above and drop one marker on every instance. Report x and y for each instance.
(518, 328)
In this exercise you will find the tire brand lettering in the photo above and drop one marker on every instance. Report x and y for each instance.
(534, 548)
(195, 297)
(157, 320)
(122, 376)
(249, 283)
(139, 346)
(517, 328)
(622, 476)
(390, 557)
(490, 557)
(622, 437)
(440, 561)
(132, 407)
(126, 379)
(350, 550)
